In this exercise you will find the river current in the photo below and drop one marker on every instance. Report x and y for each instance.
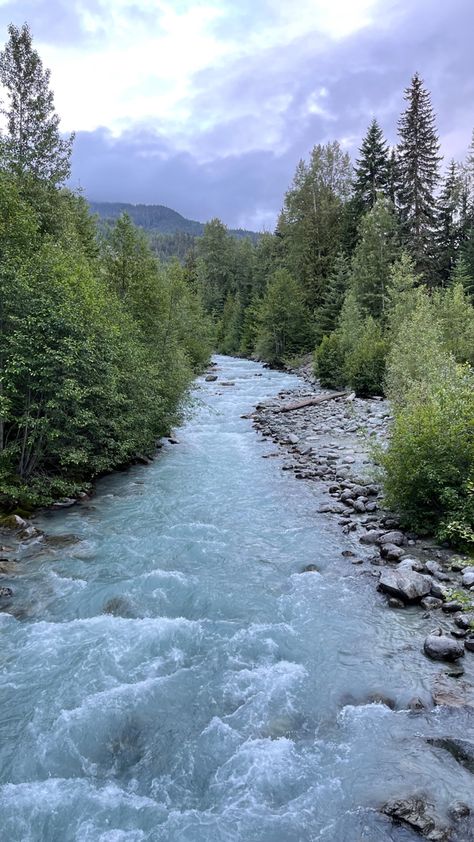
(172, 676)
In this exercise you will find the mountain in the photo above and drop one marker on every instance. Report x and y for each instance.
(158, 219)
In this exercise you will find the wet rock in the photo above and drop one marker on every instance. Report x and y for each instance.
(371, 537)
(417, 813)
(429, 603)
(393, 537)
(70, 501)
(118, 606)
(451, 607)
(14, 522)
(465, 621)
(5, 592)
(469, 643)
(210, 378)
(440, 647)
(391, 552)
(393, 602)
(310, 568)
(359, 506)
(461, 750)
(439, 591)
(416, 705)
(468, 577)
(404, 584)
(458, 811)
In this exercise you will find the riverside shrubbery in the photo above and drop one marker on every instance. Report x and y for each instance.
(429, 463)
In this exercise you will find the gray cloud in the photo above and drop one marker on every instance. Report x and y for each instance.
(257, 110)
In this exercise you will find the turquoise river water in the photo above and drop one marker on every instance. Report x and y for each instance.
(171, 676)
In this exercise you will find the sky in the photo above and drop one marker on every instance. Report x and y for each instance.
(207, 107)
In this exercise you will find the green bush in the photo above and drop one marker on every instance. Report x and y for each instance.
(329, 362)
(365, 364)
(429, 464)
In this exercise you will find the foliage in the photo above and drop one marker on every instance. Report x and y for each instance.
(33, 145)
(329, 362)
(374, 256)
(364, 365)
(284, 328)
(418, 162)
(429, 465)
(372, 169)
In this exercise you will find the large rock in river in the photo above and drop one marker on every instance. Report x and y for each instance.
(404, 584)
(440, 647)
(417, 813)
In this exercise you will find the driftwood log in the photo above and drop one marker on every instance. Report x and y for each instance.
(290, 407)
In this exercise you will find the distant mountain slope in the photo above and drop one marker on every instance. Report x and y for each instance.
(158, 219)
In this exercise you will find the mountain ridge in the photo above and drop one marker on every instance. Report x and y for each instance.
(158, 219)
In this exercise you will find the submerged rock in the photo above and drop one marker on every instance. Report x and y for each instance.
(5, 592)
(461, 750)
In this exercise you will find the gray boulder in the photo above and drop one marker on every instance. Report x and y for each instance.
(440, 647)
(393, 537)
(404, 584)
(468, 577)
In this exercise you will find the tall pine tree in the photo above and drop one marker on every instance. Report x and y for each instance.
(419, 159)
(372, 169)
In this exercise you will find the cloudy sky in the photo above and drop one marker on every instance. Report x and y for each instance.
(207, 106)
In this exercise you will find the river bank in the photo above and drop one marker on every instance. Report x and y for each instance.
(331, 438)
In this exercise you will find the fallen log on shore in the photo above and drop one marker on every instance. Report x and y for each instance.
(290, 407)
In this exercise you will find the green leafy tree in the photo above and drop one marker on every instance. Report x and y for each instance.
(32, 145)
(374, 256)
(313, 218)
(284, 327)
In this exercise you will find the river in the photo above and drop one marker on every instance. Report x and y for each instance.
(172, 676)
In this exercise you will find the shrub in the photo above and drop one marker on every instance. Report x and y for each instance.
(365, 364)
(429, 464)
(329, 362)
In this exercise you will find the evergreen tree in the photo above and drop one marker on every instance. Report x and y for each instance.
(333, 296)
(372, 169)
(418, 165)
(33, 144)
(374, 256)
(393, 177)
(448, 232)
(461, 274)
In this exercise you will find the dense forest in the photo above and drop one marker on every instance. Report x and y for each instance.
(98, 342)
(372, 265)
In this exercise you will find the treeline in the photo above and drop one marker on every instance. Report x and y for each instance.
(98, 342)
(371, 266)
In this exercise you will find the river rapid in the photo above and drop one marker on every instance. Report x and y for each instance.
(173, 676)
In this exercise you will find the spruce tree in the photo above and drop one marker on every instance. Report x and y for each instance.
(333, 297)
(372, 169)
(448, 233)
(32, 144)
(419, 160)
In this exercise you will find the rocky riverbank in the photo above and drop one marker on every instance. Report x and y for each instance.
(330, 439)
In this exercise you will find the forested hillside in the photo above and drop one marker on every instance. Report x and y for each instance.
(372, 265)
(170, 234)
(98, 342)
